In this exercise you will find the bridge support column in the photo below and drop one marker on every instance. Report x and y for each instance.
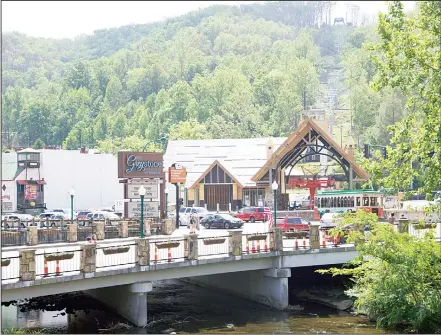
(129, 301)
(268, 287)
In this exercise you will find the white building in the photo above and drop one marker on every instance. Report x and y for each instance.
(94, 177)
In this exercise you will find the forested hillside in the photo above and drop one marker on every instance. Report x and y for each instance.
(221, 72)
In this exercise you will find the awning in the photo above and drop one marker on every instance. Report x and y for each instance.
(33, 182)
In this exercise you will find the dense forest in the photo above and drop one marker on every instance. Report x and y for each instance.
(220, 72)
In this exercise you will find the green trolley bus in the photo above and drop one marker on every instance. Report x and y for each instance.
(349, 200)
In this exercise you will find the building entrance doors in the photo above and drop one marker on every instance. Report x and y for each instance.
(218, 194)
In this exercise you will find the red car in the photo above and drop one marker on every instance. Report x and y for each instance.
(252, 214)
(294, 224)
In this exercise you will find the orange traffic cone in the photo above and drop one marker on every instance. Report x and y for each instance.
(46, 269)
(258, 247)
(169, 254)
(156, 254)
(304, 242)
(296, 244)
(57, 268)
(253, 248)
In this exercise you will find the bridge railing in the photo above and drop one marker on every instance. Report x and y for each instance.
(115, 255)
(18, 233)
(32, 264)
(52, 262)
(167, 251)
(10, 268)
(13, 235)
(213, 246)
(256, 243)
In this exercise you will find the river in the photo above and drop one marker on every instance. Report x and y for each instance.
(175, 306)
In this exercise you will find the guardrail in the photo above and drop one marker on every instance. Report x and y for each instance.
(18, 233)
(13, 237)
(32, 264)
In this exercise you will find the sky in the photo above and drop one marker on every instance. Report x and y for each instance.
(68, 19)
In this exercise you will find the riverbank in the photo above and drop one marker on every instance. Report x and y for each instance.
(182, 308)
(334, 298)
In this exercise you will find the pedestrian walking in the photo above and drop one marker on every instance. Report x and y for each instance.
(392, 218)
(192, 224)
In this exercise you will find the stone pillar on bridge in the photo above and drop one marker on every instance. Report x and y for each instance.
(123, 229)
(72, 232)
(192, 245)
(98, 229)
(142, 251)
(314, 236)
(235, 243)
(32, 238)
(147, 227)
(169, 226)
(276, 239)
(130, 301)
(27, 264)
(88, 258)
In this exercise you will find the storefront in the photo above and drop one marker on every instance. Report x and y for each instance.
(228, 174)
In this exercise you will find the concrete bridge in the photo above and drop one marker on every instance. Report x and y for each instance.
(120, 272)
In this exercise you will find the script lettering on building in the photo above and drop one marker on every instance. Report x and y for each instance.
(140, 165)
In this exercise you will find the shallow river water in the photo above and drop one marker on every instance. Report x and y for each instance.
(175, 306)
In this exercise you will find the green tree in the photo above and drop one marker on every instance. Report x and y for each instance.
(39, 144)
(408, 57)
(397, 278)
(188, 130)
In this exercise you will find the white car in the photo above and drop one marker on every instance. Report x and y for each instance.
(25, 220)
(104, 215)
(329, 220)
(200, 212)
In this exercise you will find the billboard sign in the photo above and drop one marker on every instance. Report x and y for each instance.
(151, 209)
(31, 192)
(140, 164)
(151, 191)
(177, 175)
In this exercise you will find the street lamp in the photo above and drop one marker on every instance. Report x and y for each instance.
(166, 202)
(141, 192)
(72, 194)
(274, 186)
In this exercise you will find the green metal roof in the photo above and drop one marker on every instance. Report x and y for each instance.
(346, 192)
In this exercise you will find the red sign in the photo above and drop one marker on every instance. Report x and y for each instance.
(31, 192)
(177, 175)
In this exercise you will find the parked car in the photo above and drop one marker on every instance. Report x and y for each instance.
(221, 221)
(329, 220)
(200, 212)
(25, 220)
(294, 224)
(252, 214)
(103, 215)
(47, 215)
(182, 211)
(82, 215)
